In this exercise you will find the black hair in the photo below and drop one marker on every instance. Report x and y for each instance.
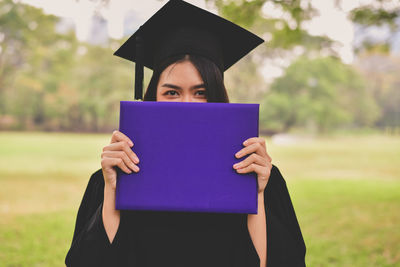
(212, 77)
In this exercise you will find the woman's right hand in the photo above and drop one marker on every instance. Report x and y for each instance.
(118, 154)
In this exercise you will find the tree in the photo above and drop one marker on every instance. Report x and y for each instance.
(378, 13)
(22, 29)
(381, 71)
(323, 92)
(50, 81)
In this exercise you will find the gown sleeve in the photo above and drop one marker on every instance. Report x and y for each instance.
(285, 244)
(90, 245)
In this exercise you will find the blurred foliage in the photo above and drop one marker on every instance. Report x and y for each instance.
(368, 16)
(381, 72)
(244, 74)
(379, 12)
(18, 29)
(322, 93)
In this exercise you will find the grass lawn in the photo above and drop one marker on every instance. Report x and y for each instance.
(345, 189)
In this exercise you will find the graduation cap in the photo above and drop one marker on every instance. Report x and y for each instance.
(181, 28)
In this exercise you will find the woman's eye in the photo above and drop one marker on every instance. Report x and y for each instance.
(171, 92)
(202, 92)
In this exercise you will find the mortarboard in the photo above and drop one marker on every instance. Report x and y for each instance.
(181, 28)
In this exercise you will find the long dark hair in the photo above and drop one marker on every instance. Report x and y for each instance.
(209, 72)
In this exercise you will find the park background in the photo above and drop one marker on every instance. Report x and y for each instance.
(327, 79)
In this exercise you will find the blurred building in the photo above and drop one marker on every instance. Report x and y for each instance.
(131, 22)
(98, 33)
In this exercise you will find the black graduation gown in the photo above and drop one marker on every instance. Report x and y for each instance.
(147, 239)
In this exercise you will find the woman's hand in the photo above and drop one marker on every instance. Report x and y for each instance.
(118, 154)
(258, 161)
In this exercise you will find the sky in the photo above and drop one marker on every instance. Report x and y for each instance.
(81, 11)
(331, 21)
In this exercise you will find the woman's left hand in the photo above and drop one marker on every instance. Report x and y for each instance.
(258, 161)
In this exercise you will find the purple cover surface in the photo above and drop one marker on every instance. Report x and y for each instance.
(186, 153)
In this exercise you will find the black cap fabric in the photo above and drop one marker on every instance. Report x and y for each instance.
(181, 28)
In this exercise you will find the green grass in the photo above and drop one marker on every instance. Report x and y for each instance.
(345, 189)
(42, 177)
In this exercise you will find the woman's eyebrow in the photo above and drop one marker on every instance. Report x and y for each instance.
(202, 85)
(198, 86)
(171, 86)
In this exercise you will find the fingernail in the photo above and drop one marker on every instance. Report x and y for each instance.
(136, 168)
(130, 143)
(237, 154)
(136, 160)
(245, 142)
(235, 165)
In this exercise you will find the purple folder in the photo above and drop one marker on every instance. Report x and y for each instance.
(186, 153)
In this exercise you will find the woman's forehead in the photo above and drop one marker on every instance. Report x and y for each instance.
(181, 72)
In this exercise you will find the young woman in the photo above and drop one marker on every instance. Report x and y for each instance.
(105, 236)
